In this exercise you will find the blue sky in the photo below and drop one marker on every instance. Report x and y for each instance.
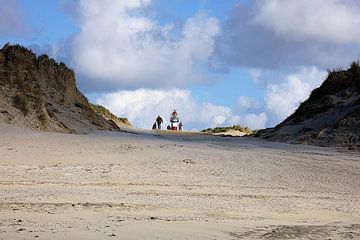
(218, 62)
(50, 24)
(53, 25)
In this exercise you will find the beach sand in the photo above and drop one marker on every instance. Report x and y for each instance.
(150, 185)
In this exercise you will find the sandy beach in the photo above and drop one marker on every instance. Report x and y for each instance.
(149, 185)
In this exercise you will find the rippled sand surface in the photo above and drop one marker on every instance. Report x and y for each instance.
(146, 185)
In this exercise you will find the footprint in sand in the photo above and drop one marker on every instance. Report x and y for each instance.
(188, 161)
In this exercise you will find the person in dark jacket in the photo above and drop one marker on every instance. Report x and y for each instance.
(159, 121)
(154, 125)
(180, 126)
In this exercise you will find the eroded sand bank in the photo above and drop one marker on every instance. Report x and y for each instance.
(155, 186)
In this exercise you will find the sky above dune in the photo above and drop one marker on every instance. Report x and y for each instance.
(217, 62)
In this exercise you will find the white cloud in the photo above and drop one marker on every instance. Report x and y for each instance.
(334, 21)
(284, 97)
(245, 103)
(118, 47)
(284, 94)
(142, 106)
(270, 34)
(250, 113)
(255, 121)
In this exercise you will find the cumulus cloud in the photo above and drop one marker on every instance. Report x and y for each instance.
(244, 103)
(255, 121)
(334, 21)
(284, 97)
(118, 47)
(142, 106)
(12, 20)
(284, 92)
(276, 33)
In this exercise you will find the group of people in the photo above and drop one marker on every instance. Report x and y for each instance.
(159, 121)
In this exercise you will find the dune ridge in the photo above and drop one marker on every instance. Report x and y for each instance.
(39, 93)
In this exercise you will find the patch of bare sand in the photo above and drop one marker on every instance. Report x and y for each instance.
(232, 133)
(149, 185)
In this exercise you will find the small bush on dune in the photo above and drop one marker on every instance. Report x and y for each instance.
(226, 129)
(355, 70)
(107, 114)
(44, 118)
(22, 103)
(80, 105)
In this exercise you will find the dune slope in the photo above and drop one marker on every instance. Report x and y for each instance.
(329, 117)
(39, 93)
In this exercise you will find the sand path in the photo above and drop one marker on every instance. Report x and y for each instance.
(157, 186)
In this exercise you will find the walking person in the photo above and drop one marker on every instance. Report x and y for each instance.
(180, 126)
(159, 121)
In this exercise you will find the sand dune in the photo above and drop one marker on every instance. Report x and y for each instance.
(150, 185)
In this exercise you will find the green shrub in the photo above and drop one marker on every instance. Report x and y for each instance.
(226, 129)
